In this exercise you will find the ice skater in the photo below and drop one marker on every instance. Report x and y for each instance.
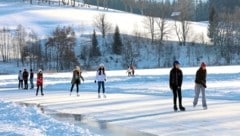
(129, 71)
(25, 78)
(200, 85)
(76, 79)
(175, 83)
(39, 82)
(31, 78)
(101, 79)
(20, 80)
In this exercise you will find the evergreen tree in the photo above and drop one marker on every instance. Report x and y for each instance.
(95, 52)
(212, 27)
(117, 42)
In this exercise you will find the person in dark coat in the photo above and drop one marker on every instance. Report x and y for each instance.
(31, 78)
(25, 78)
(133, 70)
(175, 83)
(76, 79)
(39, 82)
(200, 85)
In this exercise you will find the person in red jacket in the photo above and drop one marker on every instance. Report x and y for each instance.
(39, 82)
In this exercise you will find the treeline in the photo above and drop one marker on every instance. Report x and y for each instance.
(198, 9)
(224, 23)
(58, 52)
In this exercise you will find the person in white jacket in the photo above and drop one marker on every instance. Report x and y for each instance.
(20, 80)
(101, 79)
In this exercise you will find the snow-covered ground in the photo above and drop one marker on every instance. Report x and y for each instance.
(141, 103)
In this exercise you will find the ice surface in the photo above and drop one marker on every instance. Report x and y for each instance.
(141, 103)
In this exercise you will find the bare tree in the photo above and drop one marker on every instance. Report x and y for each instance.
(62, 44)
(5, 43)
(182, 30)
(131, 52)
(102, 25)
(150, 26)
(21, 41)
(163, 31)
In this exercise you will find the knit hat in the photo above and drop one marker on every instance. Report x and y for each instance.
(101, 65)
(78, 68)
(40, 70)
(175, 63)
(203, 64)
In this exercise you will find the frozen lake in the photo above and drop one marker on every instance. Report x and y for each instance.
(135, 105)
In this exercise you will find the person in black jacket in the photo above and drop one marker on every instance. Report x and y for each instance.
(25, 78)
(200, 85)
(175, 83)
(31, 78)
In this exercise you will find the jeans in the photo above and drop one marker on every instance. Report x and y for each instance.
(77, 84)
(101, 84)
(20, 84)
(38, 89)
(177, 92)
(25, 84)
(199, 88)
(31, 82)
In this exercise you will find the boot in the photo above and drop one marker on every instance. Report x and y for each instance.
(175, 108)
(182, 108)
(99, 96)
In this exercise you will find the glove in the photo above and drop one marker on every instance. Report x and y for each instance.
(105, 80)
(204, 85)
(95, 81)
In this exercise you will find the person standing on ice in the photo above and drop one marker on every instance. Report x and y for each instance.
(31, 78)
(76, 79)
(133, 70)
(101, 78)
(175, 83)
(200, 85)
(25, 78)
(39, 82)
(20, 79)
(129, 71)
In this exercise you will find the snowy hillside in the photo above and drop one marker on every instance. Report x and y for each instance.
(43, 19)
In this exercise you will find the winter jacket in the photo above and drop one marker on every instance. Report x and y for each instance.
(101, 76)
(31, 75)
(25, 75)
(201, 77)
(176, 78)
(39, 79)
(77, 75)
(20, 76)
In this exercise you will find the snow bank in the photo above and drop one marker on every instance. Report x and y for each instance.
(29, 121)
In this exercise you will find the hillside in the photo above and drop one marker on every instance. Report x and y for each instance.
(43, 19)
(138, 49)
